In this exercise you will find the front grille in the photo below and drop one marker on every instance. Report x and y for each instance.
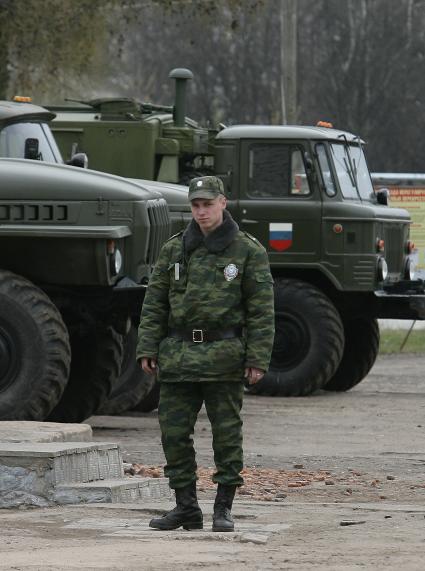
(160, 227)
(35, 212)
(364, 272)
(394, 246)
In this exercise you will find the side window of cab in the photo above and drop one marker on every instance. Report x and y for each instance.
(325, 167)
(276, 171)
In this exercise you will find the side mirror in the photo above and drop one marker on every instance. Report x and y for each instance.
(228, 183)
(309, 167)
(308, 163)
(382, 196)
(31, 150)
(79, 160)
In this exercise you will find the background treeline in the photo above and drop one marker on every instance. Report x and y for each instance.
(356, 63)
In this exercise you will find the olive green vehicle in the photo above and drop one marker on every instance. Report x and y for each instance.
(76, 251)
(340, 255)
(129, 138)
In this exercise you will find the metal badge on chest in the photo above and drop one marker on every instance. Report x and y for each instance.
(230, 272)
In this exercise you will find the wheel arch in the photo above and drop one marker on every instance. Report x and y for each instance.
(310, 275)
(348, 303)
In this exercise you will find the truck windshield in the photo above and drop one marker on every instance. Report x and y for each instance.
(352, 171)
(13, 138)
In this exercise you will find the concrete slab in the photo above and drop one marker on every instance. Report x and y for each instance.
(30, 471)
(51, 449)
(121, 491)
(50, 473)
(29, 431)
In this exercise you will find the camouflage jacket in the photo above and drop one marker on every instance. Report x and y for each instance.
(196, 295)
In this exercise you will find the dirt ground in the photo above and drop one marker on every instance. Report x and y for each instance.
(340, 476)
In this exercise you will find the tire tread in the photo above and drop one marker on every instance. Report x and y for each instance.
(45, 394)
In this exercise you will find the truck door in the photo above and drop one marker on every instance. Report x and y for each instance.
(277, 202)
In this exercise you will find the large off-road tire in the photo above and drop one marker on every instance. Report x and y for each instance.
(309, 341)
(361, 351)
(34, 351)
(133, 384)
(95, 366)
(151, 401)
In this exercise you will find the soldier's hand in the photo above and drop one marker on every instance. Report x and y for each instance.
(253, 375)
(148, 364)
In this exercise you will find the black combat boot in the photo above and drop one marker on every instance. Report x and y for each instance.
(222, 518)
(186, 514)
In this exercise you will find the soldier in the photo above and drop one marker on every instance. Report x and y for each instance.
(207, 322)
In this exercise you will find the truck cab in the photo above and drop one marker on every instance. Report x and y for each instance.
(307, 195)
(25, 133)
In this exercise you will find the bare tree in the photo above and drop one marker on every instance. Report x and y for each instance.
(357, 63)
(42, 42)
(288, 60)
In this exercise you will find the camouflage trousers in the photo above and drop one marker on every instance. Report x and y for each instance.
(179, 405)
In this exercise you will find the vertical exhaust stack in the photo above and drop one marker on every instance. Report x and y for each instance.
(181, 75)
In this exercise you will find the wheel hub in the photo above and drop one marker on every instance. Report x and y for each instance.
(291, 343)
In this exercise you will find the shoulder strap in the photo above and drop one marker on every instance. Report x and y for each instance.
(175, 235)
(251, 237)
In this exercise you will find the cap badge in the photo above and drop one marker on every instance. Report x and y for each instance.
(199, 183)
(230, 272)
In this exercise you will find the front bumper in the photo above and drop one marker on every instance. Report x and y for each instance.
(403, 300)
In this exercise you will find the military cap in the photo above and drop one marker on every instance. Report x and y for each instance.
(205, 187)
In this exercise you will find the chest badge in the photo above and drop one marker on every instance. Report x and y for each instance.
(230, 272)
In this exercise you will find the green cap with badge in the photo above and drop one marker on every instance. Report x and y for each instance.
(208, 187)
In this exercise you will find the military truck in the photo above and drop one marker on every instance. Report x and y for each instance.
(340, 255)
(77, 249)
(160, 142)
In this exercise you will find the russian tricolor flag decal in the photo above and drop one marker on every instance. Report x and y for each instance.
(280, 236)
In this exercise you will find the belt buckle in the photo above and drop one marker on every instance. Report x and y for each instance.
(197, 335)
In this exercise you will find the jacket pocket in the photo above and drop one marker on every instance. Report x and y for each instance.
(169, 356)
(263, 276)
(216, 358)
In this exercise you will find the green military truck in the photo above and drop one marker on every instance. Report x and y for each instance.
(77, 249)
(341, 257)
(159, 142)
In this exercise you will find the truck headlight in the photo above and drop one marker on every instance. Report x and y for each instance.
(116, 262)
(115, 257)
(382, 270)
(409, 270)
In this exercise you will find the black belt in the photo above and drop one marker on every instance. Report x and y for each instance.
(203, 335)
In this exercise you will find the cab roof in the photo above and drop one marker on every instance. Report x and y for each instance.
(285, 132)
(12, 111)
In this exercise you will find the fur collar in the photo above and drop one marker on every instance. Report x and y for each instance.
(215, 242)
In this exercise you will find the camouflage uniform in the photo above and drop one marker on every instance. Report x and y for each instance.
(193, 288)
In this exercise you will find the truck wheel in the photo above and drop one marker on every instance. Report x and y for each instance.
(309, 341)
(151, 400)
(34, 351)
(361, 350)
(132, 385)
(95, 365)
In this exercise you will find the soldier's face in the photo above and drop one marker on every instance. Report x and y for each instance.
(208, 213)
